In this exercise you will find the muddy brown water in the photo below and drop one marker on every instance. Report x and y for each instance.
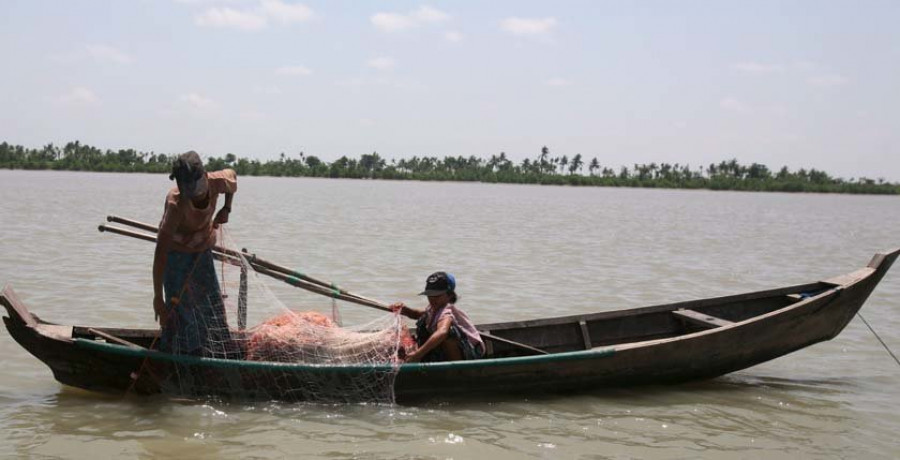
(518, 252)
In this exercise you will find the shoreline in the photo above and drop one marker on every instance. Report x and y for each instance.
(885, 189)
(545, 169)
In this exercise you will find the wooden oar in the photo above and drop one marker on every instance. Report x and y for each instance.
(257, 262)
(291, 277)
(384, 307)
(219, 254)
(152, 238)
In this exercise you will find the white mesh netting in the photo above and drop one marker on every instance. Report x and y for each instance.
(290, 354)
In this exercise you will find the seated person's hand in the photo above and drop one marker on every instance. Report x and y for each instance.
(397, 307)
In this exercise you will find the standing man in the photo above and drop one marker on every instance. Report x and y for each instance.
(191, 313)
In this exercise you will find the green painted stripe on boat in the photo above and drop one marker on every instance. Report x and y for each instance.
(405, 368)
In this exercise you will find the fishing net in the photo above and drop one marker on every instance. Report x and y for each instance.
(292, 354)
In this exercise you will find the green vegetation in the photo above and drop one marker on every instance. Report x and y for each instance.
(542, 169)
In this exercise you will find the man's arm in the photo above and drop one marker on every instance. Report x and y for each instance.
(222, 215)
(160, 258)
(164, 242)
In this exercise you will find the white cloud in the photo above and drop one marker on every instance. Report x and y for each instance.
(227, 17)
(732, 104)
(366, 122)
(286, 13)
(79, 96)
(197, 101)
(528, 26)
(827, 81)
(557, 81)
(294, 71)
(256, 18)
(396, 22)
(757, 68)
(453, 36)
(391, 22)
(381, 63)
(429, 14)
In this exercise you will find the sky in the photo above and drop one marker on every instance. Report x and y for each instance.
(812, 84)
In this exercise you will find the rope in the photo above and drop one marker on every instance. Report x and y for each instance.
(879, 338)
(220, 236)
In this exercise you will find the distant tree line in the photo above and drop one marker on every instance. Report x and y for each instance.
(544, 168)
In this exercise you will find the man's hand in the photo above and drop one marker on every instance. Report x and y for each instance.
(159, 308)
(222, 216)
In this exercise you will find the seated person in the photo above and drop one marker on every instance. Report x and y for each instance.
(443, 332)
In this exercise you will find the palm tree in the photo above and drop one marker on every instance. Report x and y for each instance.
(595, 165)
(492, 163)
(503, 163)
(543, 158)
(576, 164)
(784, 173)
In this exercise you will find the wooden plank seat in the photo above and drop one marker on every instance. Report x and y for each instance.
(700, 319)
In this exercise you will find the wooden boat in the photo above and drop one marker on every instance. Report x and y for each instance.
(660, 344)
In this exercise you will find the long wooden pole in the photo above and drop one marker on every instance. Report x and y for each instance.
(229, 257)
(152, 238)
(292, 277)
(258, 262)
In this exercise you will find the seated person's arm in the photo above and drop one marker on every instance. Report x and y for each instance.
(408, 312)
(441, 334)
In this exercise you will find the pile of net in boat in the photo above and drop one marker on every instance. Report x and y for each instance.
(314, 338)
(290, 354)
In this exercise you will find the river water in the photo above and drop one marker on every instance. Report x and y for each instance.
(518, 252)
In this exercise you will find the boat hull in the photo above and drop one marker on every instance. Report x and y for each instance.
(764, 325)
